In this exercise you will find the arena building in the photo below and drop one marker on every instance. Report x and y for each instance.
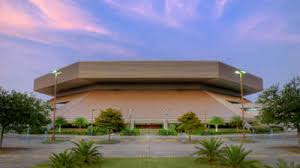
(150, 93)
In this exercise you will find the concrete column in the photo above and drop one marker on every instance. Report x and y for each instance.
(165, 124)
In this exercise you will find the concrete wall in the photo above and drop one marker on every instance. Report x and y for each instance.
(150, 106)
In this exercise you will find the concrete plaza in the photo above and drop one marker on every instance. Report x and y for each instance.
(31, 151)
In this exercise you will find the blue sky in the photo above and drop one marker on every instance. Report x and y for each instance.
(259, 36)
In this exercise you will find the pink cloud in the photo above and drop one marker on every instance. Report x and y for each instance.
(66, 15)
(31, 19)
(268, 27)
(175, 12)
(44, 22)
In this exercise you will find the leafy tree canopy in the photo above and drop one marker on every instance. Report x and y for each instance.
(281, 105)
(216, 120)
(80, 122)
(111, 119)
(19, 110)
(189, 122)
(61, 121)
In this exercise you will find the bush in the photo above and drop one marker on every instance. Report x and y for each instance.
(65, 159)
(130, 132)
(277, 128)
(96, 131)
(260, 129)
(167, 132)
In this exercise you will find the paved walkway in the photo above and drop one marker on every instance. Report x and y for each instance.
(32, 151)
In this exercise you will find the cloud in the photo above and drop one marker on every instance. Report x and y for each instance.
(266, 27)
(175, 13)
(66, 15)
(219, 7)
(58, 23)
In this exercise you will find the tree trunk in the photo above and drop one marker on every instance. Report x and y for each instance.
(1, 137)
(59, 128)
(109, 132)
(298, 134)
(216, 128)
(190, 138)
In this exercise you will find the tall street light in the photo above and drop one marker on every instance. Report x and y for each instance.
(241, 75)
(55, 74)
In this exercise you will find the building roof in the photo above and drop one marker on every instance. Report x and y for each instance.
(117, 74)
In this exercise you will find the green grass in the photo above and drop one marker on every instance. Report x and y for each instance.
(146, 163)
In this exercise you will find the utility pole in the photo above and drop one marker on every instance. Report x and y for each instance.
(55, 73)
(241, 75)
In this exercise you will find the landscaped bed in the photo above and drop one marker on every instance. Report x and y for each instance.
(146, 163)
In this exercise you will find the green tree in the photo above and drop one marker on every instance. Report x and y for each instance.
(19, 110)
(235, 156)
(210, 149)
(282, 106)
(216, 121)
(111, 119)
(60, 121)
(236, 122)
(189, 122)
(80, 122)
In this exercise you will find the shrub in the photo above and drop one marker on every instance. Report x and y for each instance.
(277, 128)
(66, 159)
(283, 164)
(260, 129)
(130, 132)
(86, 152)
(96, 131)
(167, 132)
(235, 156)
(210, 149)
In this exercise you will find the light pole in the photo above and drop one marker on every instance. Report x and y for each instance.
(241, 75)
(55, 73)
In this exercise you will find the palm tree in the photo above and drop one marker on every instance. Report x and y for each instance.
(234, 156)
(60, 121)
(86, 152)
(210, 149)
(80, 122)
(237, 122)
(216, 121)
(66, 159)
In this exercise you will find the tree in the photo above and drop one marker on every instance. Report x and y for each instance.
(111, 119)
(80, 122)
(189, 122)
(237, 122)
(216, 121)
(60, 121)
(282, 106)
(19, 110)
(210, 149)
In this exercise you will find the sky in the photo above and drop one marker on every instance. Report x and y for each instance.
(259, 36)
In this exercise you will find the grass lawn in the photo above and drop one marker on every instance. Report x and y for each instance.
(146, 163)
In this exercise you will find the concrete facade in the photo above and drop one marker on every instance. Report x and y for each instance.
(149, 92)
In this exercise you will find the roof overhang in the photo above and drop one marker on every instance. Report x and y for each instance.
(116, 75)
